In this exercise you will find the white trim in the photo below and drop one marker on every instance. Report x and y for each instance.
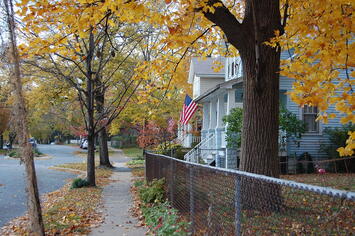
(320, 126)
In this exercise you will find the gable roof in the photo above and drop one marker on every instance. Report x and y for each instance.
(203, 68)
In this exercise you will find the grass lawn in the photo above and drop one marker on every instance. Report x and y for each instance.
(337, 181)
(133, 152)
(83, 153)
(307, 213)
(3, 151)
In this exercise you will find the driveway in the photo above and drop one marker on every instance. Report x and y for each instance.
(12, 179)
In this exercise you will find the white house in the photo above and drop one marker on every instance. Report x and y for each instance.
(218, 93)
(203, 78)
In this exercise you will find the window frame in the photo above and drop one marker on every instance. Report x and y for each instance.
(318, 123)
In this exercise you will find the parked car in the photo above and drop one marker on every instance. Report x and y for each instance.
(82, 142)
(33, 142)
(85, 144)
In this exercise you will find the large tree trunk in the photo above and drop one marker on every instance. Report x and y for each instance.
(259, 148)
(34, 207)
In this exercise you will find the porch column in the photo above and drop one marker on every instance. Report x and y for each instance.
(205, 120)
(231, 100)
(188, 135)
(219, 128)
(213, 119)
(231, 158)
(213, 115)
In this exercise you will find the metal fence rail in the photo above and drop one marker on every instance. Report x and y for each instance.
(229, 202)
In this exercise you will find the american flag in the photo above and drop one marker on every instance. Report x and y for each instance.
(188, 110)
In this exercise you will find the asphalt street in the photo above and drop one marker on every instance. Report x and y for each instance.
(12, 179)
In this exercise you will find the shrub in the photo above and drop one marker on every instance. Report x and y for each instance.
(36, 152)
(152, 192)
(171, 149)
(234, 128)
(79, 183)
(288, 123)
(291, 124)
(159, 216)
(337, 138)
(162, 219)
(13, 154)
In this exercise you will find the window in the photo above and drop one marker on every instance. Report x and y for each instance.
(225, 105)
(309, 117)
(239, 94)
(283, 98)
(236, 68)
(232, 69)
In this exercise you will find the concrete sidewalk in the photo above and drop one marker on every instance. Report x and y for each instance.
(117, 201)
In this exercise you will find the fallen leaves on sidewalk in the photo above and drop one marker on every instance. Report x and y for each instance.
(67, 211)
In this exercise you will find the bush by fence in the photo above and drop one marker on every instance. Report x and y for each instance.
(231, 202)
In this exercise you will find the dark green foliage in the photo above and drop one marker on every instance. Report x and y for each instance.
(159, 216)
(138, 183)
(16, 154)
(337, 138)
(162, 219)
(152, 192)
(12, 154)
(79, 183)
(291, 124)
(171, 149)
(288, 123)
(36, 152)
(124, 141)
(234, 128)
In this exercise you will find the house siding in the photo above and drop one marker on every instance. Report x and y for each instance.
(208, 83)
(310, 143)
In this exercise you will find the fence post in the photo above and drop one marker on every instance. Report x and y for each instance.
(238, 207)
(191, 198)
(172, 176)
(146, 165)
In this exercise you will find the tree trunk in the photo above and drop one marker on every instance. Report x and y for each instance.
(259, 148)
(90, 112)
(91, 135)
(91, 160)
(12, 136)
(104, 156)
(1, 141)
(261, 63)
(34, 207)
(100, 101)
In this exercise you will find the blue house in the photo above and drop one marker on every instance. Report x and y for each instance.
(219, 92)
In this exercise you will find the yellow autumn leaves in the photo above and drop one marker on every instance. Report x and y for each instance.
(318, 32)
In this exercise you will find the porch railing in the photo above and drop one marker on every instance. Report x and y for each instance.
(195, 153)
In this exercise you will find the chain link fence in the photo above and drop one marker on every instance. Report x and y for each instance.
(229, 202)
